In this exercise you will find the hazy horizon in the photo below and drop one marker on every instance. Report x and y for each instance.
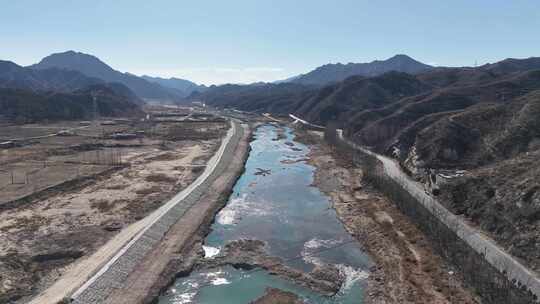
(211, 42)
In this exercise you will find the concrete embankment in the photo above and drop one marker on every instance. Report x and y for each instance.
(114, 275)
(497, 276)
(180, 247)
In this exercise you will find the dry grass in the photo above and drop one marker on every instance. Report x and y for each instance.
(160, 178)
(147, 191)
(102, 205)
(197, 169)
(28, 224)
(165, 157)
(117, 187)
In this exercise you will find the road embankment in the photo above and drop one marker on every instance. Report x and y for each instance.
(497, 276)
(95, 278)
(407, 269)
(180, 247)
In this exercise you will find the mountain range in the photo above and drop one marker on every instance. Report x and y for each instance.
(313, 92)
(483, 122)
(93, 67)
(52, 79)
(41, 90)
(29, 95)
(182, 86)
(72, 70)
(331, 73)
(480, 121)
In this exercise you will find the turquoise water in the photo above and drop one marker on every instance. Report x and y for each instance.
(295, 220)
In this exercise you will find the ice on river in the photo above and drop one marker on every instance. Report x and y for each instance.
(351, 274)
(239, 207)
(210, 252)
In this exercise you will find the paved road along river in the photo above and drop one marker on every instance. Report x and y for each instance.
(482, 244)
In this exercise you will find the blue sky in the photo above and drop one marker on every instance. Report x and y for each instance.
(220, 41)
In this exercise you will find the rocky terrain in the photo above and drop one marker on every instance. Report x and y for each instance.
(471, 134)
(407, 268)
(504, 200)
(476, 145)
(251, 254)
(276, 296)
(355, 94)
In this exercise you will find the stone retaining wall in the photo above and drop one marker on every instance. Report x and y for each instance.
(114, 274)
(497, 276)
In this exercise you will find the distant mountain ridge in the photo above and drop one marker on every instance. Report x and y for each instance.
(331, 73)
(268, 97)
(183, 86)
(93, 67)
(16, 76)
(28, 95)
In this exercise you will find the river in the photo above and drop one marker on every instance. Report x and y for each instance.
(274, 201)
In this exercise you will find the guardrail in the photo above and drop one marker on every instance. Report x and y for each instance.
(515, 272)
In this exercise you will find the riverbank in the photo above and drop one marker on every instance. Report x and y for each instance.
(99, 190)
(407, 269)
(276, 296)
(182, 245)
(276, 231)
(250, 255)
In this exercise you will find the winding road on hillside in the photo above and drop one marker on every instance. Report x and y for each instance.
(481, 243)
(92, 279)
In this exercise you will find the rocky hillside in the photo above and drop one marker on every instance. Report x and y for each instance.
(478, 132)
(333, 102)
(355, 94)
(500, 190)
(474, 132)
(397, 125)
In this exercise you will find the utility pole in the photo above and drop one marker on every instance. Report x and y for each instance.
(95, 114)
